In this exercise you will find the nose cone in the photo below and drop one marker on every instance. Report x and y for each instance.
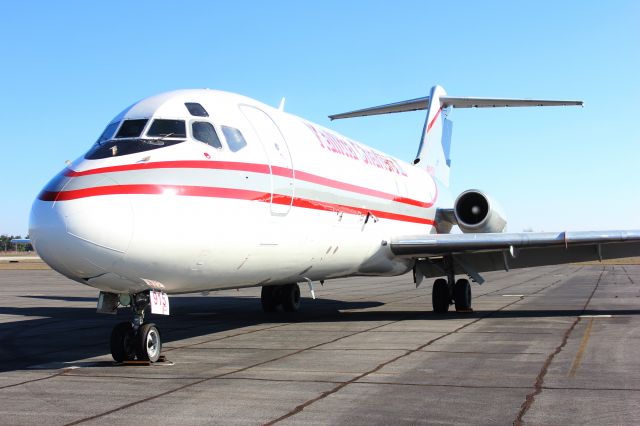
(78, 233)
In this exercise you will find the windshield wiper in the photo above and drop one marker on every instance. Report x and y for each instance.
(157, 141)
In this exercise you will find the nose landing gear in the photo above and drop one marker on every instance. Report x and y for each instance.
(135, 340)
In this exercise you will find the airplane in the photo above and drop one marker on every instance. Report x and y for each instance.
(198, 190)
(20, 241)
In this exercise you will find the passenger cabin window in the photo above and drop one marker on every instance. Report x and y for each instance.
(131, 128)
(108, 132)
(196, 109)
(204, 132)
(234, 137)
(167, 129)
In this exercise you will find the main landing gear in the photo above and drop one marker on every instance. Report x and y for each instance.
(135, 340)
(448, 291)
(444, 295)
(287, 296)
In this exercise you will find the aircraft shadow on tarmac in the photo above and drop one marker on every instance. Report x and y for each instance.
(54, 336)
(64, 298)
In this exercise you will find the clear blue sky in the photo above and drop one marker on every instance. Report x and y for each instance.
(69, 67)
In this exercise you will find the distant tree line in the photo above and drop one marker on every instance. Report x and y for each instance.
(6, 245)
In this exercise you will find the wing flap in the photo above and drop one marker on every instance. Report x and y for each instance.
(438, 244)
(502, 260)
(475, 253)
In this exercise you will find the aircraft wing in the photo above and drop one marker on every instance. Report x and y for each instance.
(475, 253)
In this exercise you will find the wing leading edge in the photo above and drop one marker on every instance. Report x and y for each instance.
(475, 253)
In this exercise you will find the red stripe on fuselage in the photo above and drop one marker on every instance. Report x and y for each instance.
(196, 191)
(321, 205)
(204, 191)
(359, 189)
(183, 164)
(256, 168)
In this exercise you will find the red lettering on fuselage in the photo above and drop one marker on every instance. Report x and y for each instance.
(355, 151)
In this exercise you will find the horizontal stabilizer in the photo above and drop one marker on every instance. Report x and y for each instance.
(448, 101)
(404, 106)
(502, 103)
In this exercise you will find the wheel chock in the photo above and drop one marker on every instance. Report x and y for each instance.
(136, 362)
(162, 359)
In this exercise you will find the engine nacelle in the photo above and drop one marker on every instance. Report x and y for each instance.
(475, 212)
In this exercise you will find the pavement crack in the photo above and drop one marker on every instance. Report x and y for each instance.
(131, 404)
(380, 366)
(34, 380)
(228, 336)
(628, 275)
(538, 385)
(221, 375)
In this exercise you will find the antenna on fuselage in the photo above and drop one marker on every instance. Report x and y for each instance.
(281, 106)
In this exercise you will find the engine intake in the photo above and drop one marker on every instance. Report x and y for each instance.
(475, 212)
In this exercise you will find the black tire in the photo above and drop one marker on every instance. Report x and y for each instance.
(462, 294)
(290, 297)
(149, 343)
(123, 342)
(268, 298)
(440, 296)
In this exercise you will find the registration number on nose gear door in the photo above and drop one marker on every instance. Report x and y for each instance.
(159, 303)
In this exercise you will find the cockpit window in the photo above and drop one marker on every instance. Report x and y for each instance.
(131, 128)
(162, 133)
(204, 132)
(234, 137)
(196, 109)
(118, 147)
(167, 129)
(108, 132)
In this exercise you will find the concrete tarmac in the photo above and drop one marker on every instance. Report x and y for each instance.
(552, 345)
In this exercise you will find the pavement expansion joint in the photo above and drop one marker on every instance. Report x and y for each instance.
(439, 385)
(380, 366)
(539, 383)
(584, 388)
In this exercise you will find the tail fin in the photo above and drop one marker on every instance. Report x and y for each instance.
(433, 153)
(435, 144)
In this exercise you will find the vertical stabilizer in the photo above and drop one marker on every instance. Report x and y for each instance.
(433, 153)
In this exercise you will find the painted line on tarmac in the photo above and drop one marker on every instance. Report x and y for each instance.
(581, 349)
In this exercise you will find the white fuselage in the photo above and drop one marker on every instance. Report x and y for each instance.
(297, 202)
